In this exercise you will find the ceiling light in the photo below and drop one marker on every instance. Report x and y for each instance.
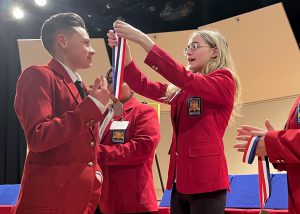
(40, 3)
(18, 13)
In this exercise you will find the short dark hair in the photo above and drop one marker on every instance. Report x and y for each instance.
(108, 73)
(56, 24)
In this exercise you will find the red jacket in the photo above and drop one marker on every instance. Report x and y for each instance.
(197, 152)
(283, 148)
(127, 166)
(59, 173)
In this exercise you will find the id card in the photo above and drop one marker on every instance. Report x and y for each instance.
(119, 125)
(298, 114)
(194, 106)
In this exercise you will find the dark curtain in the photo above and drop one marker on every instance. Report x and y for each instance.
(12, 142)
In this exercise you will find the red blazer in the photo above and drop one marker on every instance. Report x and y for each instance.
(59, 173)
(197, 158)
(127, 167)
(283, 148)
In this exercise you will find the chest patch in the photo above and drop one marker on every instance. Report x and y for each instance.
(194, 106)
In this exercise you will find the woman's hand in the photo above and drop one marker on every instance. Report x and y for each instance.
(122, 29)
(113, 41)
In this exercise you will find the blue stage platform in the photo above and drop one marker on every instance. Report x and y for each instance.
(244, 193)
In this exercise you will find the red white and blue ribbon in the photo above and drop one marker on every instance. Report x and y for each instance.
(118, 55)
(264, 179)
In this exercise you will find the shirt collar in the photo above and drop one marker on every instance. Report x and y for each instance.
(74, 75)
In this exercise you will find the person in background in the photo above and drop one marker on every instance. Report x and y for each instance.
(59, 118)
(283, 149)
(127, 147)
(202, 98)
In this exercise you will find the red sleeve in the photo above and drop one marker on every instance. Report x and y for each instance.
(217, 87)
(139, 83)
(283, 146)
(34, 105)
(140, 147)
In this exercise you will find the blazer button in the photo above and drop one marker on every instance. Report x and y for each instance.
(277, 161)
(176, 153)
(92, 144)
(90, 164)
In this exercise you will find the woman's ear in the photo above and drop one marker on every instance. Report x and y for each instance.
(215, 52)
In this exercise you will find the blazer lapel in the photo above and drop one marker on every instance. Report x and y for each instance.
(59, 69)
(106, 131)
(177, 108)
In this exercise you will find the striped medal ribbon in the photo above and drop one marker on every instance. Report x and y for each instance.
(118, 55)
(264, 179)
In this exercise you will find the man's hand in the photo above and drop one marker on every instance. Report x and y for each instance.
(99, 90)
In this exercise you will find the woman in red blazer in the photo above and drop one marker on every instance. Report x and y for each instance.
(202, 99)
(283, 149)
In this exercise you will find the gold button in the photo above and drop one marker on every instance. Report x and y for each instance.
(282, 161)
(87, 124)
(277, 161)
(91, 122)
(153, 67)
(92, 143)
(90, 164)
(156, 68)
(176, 153)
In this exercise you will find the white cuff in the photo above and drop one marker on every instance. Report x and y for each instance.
(101, 107)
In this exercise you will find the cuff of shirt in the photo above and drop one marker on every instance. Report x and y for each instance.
(101, 107)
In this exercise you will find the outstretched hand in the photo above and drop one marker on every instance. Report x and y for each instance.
(246, 131)
(125, 30)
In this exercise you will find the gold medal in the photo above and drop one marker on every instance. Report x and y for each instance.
(264, 212)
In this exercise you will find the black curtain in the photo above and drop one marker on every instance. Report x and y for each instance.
(12, 141)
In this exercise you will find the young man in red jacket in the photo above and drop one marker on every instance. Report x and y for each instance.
(60, 118)
(127, 146)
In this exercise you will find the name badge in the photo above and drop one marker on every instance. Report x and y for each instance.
(194, 106)
(119, 125)
(298, 114)
(118, 136)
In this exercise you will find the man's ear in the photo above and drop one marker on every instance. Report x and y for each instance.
(61, 40)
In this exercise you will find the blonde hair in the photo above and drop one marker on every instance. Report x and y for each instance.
(223, 60)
